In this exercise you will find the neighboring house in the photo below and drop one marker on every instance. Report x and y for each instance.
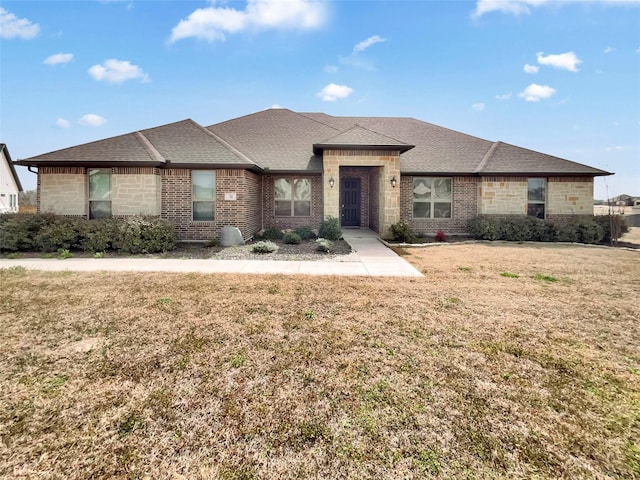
(9, 182)
(287, 169)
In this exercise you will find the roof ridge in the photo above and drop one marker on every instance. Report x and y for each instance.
(149, 147)
(486, 157)
(318, 121)
(376, 132)
(225, 144)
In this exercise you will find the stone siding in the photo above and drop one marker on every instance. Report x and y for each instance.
(62, 190)
(375, 173)
(136, 193)
(464, 206)
(284, 223)
(502, 196)
(569, 196)
(388, 197)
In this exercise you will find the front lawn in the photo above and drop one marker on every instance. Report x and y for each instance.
(502, 362)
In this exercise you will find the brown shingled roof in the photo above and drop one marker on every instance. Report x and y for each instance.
(360, 137)
(184, 143)
(283, 140)
(510, 159)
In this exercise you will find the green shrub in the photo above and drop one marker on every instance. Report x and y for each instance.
(482, 228)
(584, 229)
(97, 235)
(330, 229)
(265, 246)
(272, 233)
(145, 235)
(60, 233)
(305, 232)
(323, 245)
(18, 231)
(402, 232)
(50, 233)
(614, 226)
(292, 238)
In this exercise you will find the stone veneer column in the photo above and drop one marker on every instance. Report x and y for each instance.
(388, 197)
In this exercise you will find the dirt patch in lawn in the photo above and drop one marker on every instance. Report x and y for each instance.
(504, 361)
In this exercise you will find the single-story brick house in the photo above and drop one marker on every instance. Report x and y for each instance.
(286, 169)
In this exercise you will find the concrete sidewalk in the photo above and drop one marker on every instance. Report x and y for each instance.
(370, 258)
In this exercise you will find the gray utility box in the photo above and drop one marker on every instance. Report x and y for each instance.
(230, 236)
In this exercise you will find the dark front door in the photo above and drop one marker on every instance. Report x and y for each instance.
(350, 202)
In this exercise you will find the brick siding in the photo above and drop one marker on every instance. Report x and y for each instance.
(464, 206)
(284, 223)
(243, 212)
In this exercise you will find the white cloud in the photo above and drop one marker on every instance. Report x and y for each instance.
(213, 23)
(58, 58)
(565, 61)
(530, 68)
(478, 107)
(275, 107)
(117, 71)
(62, 123)
(14, 27)
(330, 68)
(535, 92)
(523, 7)
(619, 148)
(514, 7)
(92, 120)
(609, 50)
(363, 45)
(504, 96)
(333, 92)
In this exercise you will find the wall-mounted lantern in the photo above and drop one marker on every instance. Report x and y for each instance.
(332, 182)
(394, 182)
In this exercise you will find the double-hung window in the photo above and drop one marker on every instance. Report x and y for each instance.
(536, 197)
(99, 193)
(203, 195)
(432, 197)
(293, 197)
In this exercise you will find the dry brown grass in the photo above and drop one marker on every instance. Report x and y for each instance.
(503, 362)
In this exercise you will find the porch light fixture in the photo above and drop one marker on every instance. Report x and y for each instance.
(332, 182)
(394, 182)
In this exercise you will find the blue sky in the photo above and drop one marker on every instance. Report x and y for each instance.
(562, 78)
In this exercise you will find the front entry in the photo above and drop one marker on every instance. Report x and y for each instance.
(350, 202)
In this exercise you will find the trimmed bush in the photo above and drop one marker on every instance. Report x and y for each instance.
(265, 246)
(145, 235)
(51, 233)
(323, 245)
(273, 233)
(583, 229)
(305, 232)
(330, 229)
(291, 238)
(18, 231)
(61, 233)
(402, 232)
(97, 235)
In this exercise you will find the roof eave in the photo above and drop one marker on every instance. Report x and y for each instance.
(215, 166)
(320, 147)
(93, 164)
(600, 173)
(12, 167)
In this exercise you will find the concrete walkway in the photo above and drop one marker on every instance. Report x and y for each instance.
(370, 258)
